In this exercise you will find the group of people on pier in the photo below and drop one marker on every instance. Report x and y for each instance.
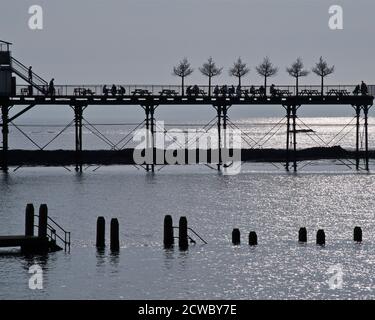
(361, 89)
(114, 90)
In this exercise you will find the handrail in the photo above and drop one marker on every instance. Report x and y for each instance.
(65, 240)
(197, 235)
(205, 242)
(26, 69)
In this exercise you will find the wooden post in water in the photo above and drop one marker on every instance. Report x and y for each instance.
(320, 237)
(29, 220)
(43, 221)
(168, 232)
(236, 236)
(253, 238)
(183, 242)
(357, 234)
(100, 233)
(302, 235)
(115, 242)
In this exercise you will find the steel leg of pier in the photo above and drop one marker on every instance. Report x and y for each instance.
(294, 115)
(224, 111)
(358, 114)
(287, 137)
(152, 118)
(5, 132)
(78, 136)
(219, 109)
(147, 110)
(365, 111)
(150, 128)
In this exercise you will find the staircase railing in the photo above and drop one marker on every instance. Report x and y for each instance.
(36, 81)
(52, 225)
(190, 238)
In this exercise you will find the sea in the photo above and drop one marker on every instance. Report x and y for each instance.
(262, 197)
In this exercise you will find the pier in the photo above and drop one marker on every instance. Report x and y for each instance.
(37, 92)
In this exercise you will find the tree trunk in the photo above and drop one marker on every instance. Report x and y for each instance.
(322, 86)
(209, 86)
(239, 81)
(265, 85)
(182, 86)
(296, 86)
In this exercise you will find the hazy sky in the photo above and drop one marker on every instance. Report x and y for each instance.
(138, 41)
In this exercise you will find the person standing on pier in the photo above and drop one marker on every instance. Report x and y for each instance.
(364, 89)
(30, 73)
(51, 88)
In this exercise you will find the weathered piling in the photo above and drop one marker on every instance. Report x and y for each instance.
(302, 235)
(253, 238)
(236, 236)
(320, 237)
(100, 233)
(168, 232)
(183, 242)
(115, 242)
(29, 220)
(357, 234)
(43, 221)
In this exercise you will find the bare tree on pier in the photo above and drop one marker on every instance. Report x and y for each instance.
(183, 70)
(322, 70)
(296, 70)
(239, 70)
(209, 69)
(266, 69)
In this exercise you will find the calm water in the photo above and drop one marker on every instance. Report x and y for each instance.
(261, 198)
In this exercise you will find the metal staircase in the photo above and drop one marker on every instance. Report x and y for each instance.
(22, 71)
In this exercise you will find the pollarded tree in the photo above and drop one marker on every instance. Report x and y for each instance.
(209, 69)
(296, 70)
(322, 70)
(183, 70)
(266, 69)
(239, 70)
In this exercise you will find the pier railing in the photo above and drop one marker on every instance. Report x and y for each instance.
(171, 90)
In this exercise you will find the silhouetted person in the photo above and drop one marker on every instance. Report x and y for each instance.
(224, 90)
(188, 90)
(196, 90)
(357, 90)
(30, 74)
(231, 90)
(113, 90)
(252, 90)
(216, 90)
(238, 91)
(364, 89)
(122, 90)
(272, 90)
(51, 87)
(261, 90)
(105, 90)
(30, 71)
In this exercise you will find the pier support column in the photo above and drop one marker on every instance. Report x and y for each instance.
(294, 116)
(288, 111)
(78, 111)
(219, 115)
(150, 137)
(5, 133)
(365, 112)
(357, 132)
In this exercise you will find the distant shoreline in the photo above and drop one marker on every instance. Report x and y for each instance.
(125, 157)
